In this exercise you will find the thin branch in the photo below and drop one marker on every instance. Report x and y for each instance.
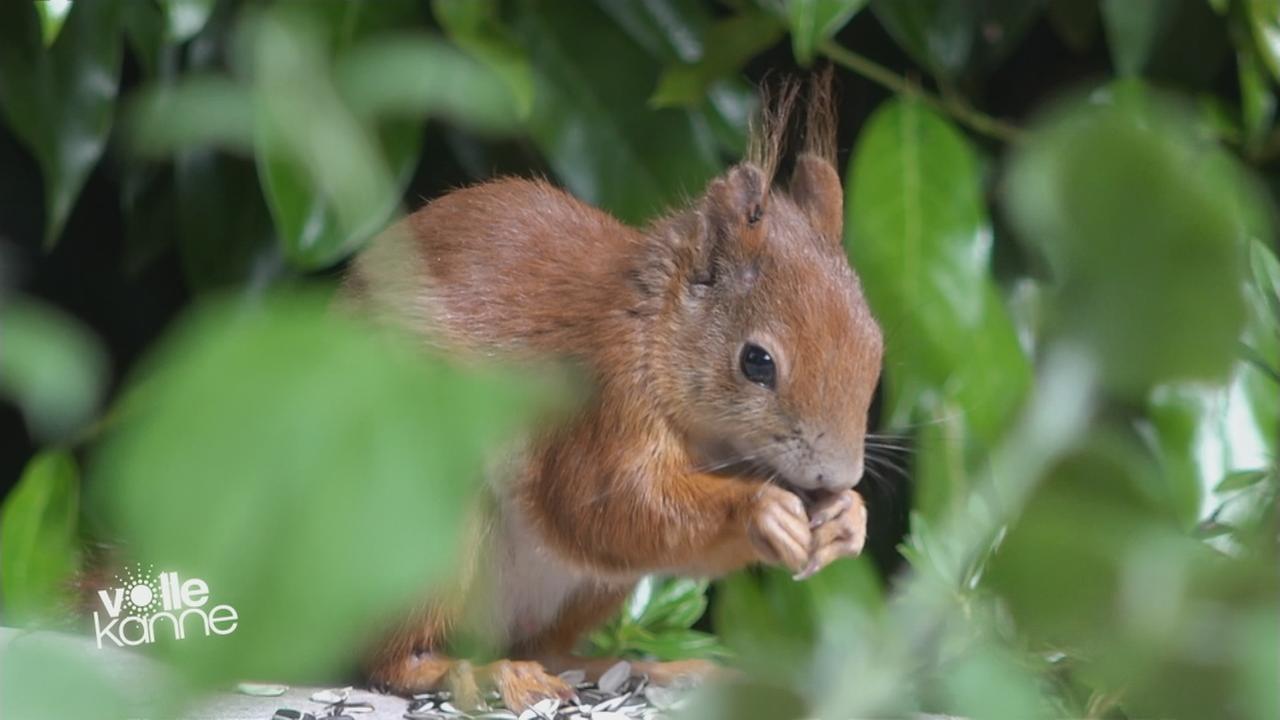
(955, 106)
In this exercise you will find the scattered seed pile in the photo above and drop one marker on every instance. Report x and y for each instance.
(616, 696)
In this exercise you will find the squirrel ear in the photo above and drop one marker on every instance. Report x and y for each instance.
(815, 187)
(733, 209)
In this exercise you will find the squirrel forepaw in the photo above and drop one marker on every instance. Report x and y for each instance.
(840, 530)
(779, 528)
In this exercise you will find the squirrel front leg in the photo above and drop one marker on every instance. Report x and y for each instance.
(688, 523)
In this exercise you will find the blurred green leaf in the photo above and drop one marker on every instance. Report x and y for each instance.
(1266, 277)
(1142, 225)
(1241, 479)
(1182, 418)
(39, 539)
(51, 366)
(273, 449)
(52, 17)
(918, 233)
(60, 102)
(989, 682)
(590, 118)
(48, 677)
(474, 25)
(730, 44)
(186, 18)
(1133, 29)
(1264, 19)
(411, 76)
(813, 22)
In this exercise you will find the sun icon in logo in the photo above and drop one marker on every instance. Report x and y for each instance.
(140, 588)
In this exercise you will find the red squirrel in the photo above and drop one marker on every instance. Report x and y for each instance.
(732, 357)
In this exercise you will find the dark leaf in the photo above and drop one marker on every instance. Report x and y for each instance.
(731, 43)
(591, 121)
(813, 22)
(61, 101)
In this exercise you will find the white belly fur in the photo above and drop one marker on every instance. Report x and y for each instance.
(533, 583)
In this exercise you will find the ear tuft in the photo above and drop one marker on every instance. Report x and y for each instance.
(815, 184)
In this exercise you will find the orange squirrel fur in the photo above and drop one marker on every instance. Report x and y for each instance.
(678, 463)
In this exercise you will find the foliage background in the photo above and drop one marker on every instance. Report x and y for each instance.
(1062, 211)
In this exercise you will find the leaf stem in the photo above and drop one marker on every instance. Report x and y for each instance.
(955, 106)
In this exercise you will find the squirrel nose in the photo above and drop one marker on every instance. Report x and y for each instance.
(841, 477)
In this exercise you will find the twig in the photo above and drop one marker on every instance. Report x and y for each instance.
(955, 106)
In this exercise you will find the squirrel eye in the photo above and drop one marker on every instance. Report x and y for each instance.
(757, 365)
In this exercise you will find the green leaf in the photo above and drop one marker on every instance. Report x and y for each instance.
(680, 644)
(39, 539)
(674, 603)
(277, 449)
(948, 38)
(1240, 479)
(731, 43)
(60, 101)
(813, 22)
(474, 25)
(918, 234)
(590, 118)
(1143, 225)
(53, 368)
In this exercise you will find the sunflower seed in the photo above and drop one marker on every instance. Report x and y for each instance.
(356, 708)
(614, 677)
(329, 697)
(449, 709)
(546, 708)
(287, 714)
(610, 704)
(423, 715)
(660, 697)
(573, 677)
(608, 715)
(496, 715)
(261, 689)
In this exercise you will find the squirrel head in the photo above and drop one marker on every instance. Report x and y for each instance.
(760, 326)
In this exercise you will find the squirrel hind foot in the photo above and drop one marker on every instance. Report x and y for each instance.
(523, 683)
(520, 683)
